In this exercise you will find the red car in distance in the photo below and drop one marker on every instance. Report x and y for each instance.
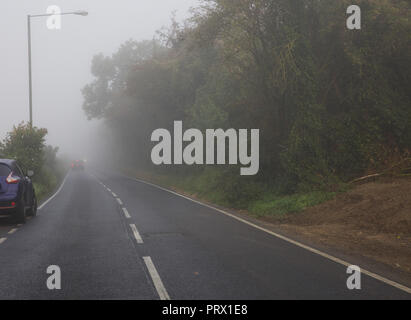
(77, 165)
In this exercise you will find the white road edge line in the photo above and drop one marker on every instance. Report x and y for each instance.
(12, 231)
(119, 201)
(136, 234)
(298, 244)
(126, 213)
(2, 240)
(54, 195)
(158, 284)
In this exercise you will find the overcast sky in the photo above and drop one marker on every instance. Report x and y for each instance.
(61, 59)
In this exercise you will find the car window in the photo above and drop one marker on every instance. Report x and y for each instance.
(17, 171)
(4, 170)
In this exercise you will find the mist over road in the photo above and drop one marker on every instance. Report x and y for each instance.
(117, 238)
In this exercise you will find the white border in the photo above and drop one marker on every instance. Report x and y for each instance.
(54, 195)
(155, 277)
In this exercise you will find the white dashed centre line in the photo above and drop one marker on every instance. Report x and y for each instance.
(2, 240)
(119, 201)
(12, 231)
(136, 234)
(114, 195)
(126, 213)
(158, 284)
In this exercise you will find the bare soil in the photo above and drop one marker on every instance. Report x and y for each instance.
(372, 221)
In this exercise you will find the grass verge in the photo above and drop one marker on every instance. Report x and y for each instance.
(273, 205)
(47, 183)
(253, 198)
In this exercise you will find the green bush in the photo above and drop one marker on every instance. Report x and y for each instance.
(26, 144)
(272, 205)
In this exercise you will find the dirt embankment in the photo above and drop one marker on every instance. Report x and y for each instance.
(372, 221)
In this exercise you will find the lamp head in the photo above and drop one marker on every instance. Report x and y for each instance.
(81, 13)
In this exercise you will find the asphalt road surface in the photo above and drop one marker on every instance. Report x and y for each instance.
(116, 238)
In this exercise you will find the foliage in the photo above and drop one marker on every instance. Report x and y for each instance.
(26, 144)
(278, 206)
(331, 103)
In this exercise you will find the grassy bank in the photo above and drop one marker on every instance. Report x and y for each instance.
(258, 200)
(274, 205)
(44, 190)
(48, 181)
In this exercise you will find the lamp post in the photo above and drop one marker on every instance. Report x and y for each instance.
(80, 13)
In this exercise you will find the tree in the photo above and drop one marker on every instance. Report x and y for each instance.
(331, 103)
(26, 145)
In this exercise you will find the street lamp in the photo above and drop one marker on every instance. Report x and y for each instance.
(79, 13)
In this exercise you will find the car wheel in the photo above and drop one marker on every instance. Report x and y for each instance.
(20, 214)
(33, 210)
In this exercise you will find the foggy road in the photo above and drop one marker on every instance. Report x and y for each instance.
(116, 238)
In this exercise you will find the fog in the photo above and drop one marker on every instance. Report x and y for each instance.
(61, 60)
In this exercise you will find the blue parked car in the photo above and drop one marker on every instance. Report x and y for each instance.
(17, 195)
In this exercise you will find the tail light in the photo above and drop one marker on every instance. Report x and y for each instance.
(12, 179)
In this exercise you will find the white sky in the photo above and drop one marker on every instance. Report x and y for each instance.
(61, 58)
